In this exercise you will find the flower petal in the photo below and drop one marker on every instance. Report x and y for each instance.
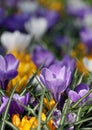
(11, 62)
(73, 96)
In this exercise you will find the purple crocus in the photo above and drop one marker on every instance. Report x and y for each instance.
(8, 69)
(56, 116)
(40, 55)
(61, 41)
(3, 102)
(56, 79)
(77, 8)
(79, 92)
(17, 21)
(68, 62)
(71, 117)
(86, 37)
(17, 102)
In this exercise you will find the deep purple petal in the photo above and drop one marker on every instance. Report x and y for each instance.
(81, 87)
(11, 74)
(2, 76)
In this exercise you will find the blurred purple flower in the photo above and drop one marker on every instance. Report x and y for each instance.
(3, 104)
(52, 17)
(86, 37)
(56, 79)
(68, 62)
(79, 92)
(16, 103)
(8, 69)
(10, 3)
(77, 8)
(17, 21)
(2, 16)
(40, 55)
(60, 41)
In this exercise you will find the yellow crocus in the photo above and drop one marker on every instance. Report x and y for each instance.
(27, 124)
(26, 69)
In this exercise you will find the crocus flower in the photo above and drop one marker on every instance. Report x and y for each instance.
(61, 40)
(25, 69)
(28, 6)
(8, 69)
(40, 55)
(17, 21)
(3, 102)
(16, 103)
(79, 92)
(86, 21)
(86, 37)
(52, 16)
(56, 116)
(87, 61)
(68, 62)
(30, 123)
(71, 117)
(15, 41)
(77, 7)
(56, 79)
(36, 26)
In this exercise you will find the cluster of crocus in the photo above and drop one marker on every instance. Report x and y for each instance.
(45, 64)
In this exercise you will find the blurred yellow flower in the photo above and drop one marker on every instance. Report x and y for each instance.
(26, 69)
(79, 53)
(56, 5)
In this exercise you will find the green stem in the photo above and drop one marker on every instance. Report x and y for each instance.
(40, 111)
(7, 108)
(64, 112)
(11, 125)
(78, 114)
(82, 121)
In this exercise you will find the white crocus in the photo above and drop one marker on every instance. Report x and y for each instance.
(36, 27)
(87, 63)
(87, 21)
(28, 6)
(77, 4)
(15, 41)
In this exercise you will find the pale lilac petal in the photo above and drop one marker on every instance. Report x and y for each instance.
(42, 79)
(73, 96)
(11, 62)
(48, 75)
(62, 73)
(4, 101)
(55, 68)
(2, 63)
(83, 92)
